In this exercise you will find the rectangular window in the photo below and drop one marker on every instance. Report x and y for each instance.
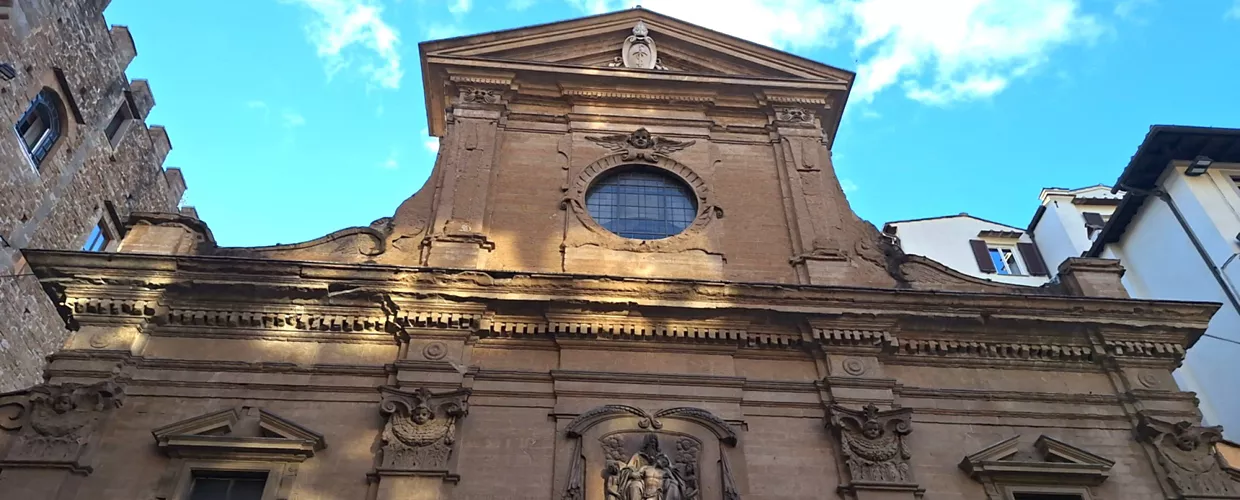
(97, 240)
(228, 486)
(1004, 260)
(120, 121)
(1046, 496)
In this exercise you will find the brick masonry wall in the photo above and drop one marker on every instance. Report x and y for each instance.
(57, 204)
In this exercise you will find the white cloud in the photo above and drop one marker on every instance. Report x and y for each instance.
(788, 23)
(293, 119)
(1233, 12)
(1127, 9)
(938, 52)
(460, 7)
(352, 33)
(393, 161)
(520, 4)
(431, 143)
(849, 186)
(256, 104)
(445, 30)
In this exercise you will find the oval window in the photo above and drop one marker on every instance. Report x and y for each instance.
(642, 203)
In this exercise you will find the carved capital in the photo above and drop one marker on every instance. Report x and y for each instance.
(1189, 461)
(59, 423)
(420, 428)
(872, 442)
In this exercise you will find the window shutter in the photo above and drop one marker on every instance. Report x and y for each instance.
(982, 253)
(1093, 220)
(1033, 259)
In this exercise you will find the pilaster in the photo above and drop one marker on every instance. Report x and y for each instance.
(458, 236)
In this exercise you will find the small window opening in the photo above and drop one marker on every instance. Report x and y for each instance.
(97, 240)
(120, 121)
(39, 127)
(228, 486)
(1004, 260)
(1046, 496)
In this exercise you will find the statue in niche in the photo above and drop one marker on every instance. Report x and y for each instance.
(650, 474)
(1186, 452)
(421, 428)
(872, 442)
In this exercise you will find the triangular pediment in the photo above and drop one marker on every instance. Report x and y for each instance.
(597, 41)
(1048, 460)
(240, 431)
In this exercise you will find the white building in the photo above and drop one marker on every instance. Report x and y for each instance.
(974, 246)
(1173, 222)
(1068, 220)
(1176, 232)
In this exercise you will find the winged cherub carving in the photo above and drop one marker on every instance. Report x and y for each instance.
(640, 145)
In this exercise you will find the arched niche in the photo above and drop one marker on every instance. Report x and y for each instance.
(621, 452)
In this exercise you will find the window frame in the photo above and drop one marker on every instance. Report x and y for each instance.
(1013, 253)
(105, 236)
(664, 209)
(1009, 491)
(191, 469)
(37, 153)
(129, 113)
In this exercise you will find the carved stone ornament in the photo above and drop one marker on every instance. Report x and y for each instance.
(640, 145)
(479, 95)
(1186, 453)
(59, 422)
(872, 442)
(648, 461)
(793, 115)
(639, 51)
(421, 428)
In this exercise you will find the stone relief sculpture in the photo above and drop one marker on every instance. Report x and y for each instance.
(640, 145)
(649, 474)
(421, 428)
(639, 51)
(648, 461)
(1186, 452)
(61, 419)
(872, 442)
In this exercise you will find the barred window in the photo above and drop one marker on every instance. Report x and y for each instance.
(642, 203)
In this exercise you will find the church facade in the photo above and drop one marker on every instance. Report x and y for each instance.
(632, 275)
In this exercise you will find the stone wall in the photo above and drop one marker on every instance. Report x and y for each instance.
(85, 178)
(323, 346)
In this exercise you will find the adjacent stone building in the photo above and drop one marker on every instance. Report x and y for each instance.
(632, 275)
(76, 158)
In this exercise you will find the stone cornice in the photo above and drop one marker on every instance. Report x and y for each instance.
(325, 281)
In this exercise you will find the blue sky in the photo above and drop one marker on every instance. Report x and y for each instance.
(295, 118)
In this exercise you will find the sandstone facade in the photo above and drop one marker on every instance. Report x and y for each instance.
(493, 339)
(93, 174)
